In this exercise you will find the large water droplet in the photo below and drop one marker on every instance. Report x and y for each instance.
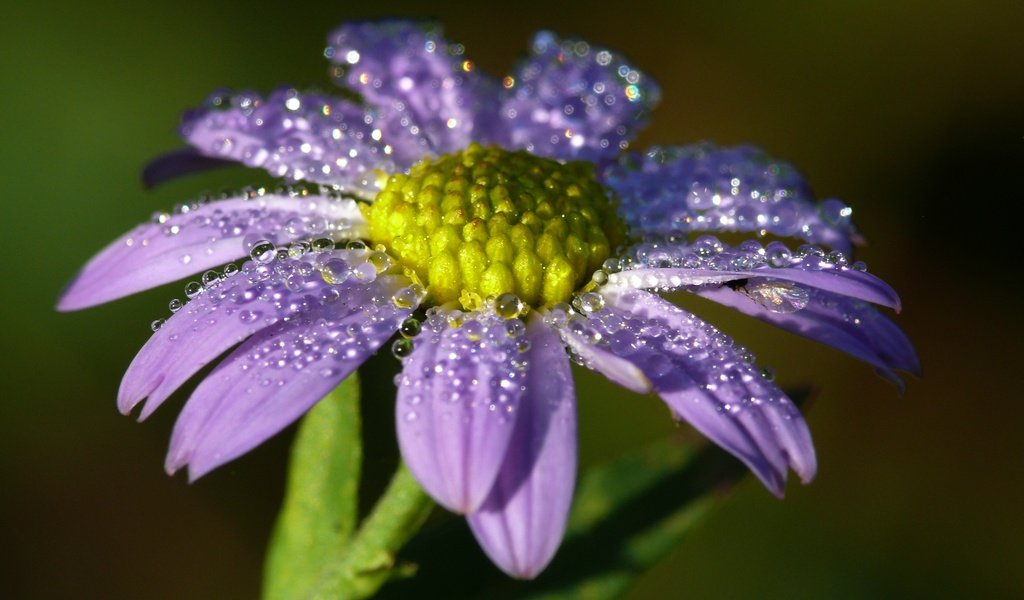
(776, 296)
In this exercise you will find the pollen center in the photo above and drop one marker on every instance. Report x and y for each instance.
(485, 221)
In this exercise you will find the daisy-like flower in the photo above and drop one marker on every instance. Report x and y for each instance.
(493, 224)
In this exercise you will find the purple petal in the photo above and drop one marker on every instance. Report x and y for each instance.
(671, 265)
(423, 85)
(457, 404)
(278, 374)
(705, 381)
(848, 325)
(618, 370)
(844, 282)
(225, 313)
(521, 524)
(177, 163)
(705, 188)
(197, 237)
(574, 101)
(297, 136)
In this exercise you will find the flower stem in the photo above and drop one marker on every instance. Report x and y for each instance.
(369, 560)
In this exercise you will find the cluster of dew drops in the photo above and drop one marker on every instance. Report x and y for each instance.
(726, 367)
(494, 334)
(709, 253)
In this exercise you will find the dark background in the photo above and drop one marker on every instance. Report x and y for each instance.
(910, 111)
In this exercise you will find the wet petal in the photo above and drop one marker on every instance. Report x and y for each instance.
(226, 312)
(521, 524)
(706, 381)
(277, 375)
(573, 101)
(458, 402)
(848, 325)
(424, 86)
(197, 237)
(670, 266)
(705, 188)
(617, 370)
(296, 136)
(178, 163)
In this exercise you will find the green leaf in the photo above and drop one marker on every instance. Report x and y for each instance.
(630, 514)
(321, 502)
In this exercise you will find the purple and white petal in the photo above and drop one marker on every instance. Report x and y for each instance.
(573, 101)
(278, 374)
(666, 266)
(848, 325)
(458, 401)
(226, 311)
(424, 86)
(705, 381)
(705, 188)
(196, 237)
(178, 163)
(521, 524)
(297, 136)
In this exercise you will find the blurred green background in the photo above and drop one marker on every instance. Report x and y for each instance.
(910, 111)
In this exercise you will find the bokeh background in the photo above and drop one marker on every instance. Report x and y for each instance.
(911, 111)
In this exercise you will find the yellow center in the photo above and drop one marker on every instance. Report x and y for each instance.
(485, 222)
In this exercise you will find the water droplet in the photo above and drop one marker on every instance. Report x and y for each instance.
(335, 271)
(776, 296)
(263, 252)
(193, 289)
(321, 245)
(508, 306)
(401, 348)
(409, 328)
(156, 325)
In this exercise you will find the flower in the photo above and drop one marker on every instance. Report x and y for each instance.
(493, 225)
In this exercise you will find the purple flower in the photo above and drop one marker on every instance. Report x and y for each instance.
(451, 208)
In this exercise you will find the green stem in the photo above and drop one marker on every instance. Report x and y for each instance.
(369, 560)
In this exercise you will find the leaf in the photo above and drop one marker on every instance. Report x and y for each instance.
(320, 507)
(631, 513)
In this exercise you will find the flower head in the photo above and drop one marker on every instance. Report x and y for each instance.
(492, 225)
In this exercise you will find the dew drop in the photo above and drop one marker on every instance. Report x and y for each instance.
(263, 252)
(777, 296)
(508, 306)
(193, 289)
(402, 348)
(409, 328)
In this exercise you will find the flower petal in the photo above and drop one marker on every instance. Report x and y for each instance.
(702, 377)
(574, 101)
(618, 370)
(848, 325)
(177, 163)
(422, 84)
(458, 401)
(277, 375)
(521, 524)
(297, 136)
(202, 236)
(705, 188)
(225, 313)
(671, 266)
